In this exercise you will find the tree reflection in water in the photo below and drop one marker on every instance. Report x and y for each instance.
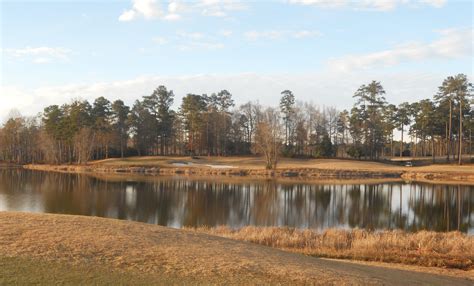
(176, 202)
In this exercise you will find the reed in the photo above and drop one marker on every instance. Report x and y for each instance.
(423, 248)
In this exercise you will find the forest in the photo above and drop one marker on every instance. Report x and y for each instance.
(212, 125)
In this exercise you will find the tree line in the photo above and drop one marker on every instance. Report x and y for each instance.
(213, 125)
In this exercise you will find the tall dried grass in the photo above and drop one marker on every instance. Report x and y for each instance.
(424, 248)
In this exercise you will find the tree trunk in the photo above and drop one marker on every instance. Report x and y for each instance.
(121, 145)
(460, 131)
(415, 149)
(433, 148)
(207, 135)
(470, 142)
(401, 144)
(447, 142)
(391, 145)
(225, 135)
(450, 128)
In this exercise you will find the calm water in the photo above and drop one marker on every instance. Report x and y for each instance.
(180, 201)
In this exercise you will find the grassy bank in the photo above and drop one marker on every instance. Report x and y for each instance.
(46, 248)
(424, 248)
(255, 167)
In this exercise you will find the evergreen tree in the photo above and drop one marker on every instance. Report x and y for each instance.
(287, 103)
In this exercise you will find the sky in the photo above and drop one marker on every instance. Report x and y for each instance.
(56, 51)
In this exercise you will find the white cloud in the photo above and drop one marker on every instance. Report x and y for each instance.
(216, 13)
(15, 98)
(219, 8)
(127, 16)
(279, 34)
(374, 5)
(434, 3)
(225, 33)
(188, 41)
(160, 40)
(173, 7)
(150, 10)
(42, 60)
(191, 41)
(453, 43)
(174, 10)
(306, 34)
(38, 55)
(321, 3)
(39, 51)
(190, 35)
(257, 35)
(172, 17)
(200, 45)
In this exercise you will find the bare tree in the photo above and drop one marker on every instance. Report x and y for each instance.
(267, 137)
(83, 144)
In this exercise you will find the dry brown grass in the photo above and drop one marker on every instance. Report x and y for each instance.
(253, 162)
(252, 166)
(424, 248)
(161, 252)
(164, 254)
(247, 162)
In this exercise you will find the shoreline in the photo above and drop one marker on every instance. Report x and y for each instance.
(293, 173)
(117, 177)
(194, 256)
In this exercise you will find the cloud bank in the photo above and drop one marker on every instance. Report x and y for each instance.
(370, 5)
(174, 10)
(451, 44)
(38, 55)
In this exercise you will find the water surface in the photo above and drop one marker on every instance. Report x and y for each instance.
(182, 201)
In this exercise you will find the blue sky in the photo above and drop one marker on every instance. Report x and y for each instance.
(323, 50)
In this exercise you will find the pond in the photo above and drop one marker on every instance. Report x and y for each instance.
(237, 202)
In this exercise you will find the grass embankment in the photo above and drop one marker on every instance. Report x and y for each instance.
(424, 248)
(46, 248)
(255, 167)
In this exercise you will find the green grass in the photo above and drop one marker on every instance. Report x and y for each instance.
(24, 271)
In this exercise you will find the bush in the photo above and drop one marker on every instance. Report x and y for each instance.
(355, 152)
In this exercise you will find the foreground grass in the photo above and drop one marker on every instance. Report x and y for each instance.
(50, 249)
(24, 271)
(85, 244)
(424, 248)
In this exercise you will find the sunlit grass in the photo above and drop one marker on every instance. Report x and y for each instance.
(424, 248)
